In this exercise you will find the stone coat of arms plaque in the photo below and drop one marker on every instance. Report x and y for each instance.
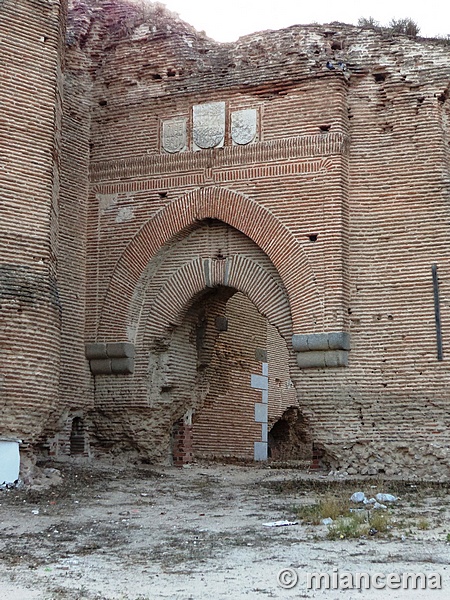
(209, 125)
(243, 126)
(174, 135)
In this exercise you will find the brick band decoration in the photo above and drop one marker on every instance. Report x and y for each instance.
(302, 147)
(110, 359)
(319, 350)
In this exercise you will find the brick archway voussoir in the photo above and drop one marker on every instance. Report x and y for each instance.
(239, 272)
(237, 210)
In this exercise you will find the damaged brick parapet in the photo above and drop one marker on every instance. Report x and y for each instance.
(112, 358)
(320, 350)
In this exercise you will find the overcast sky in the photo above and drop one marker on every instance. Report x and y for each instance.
(226, 20)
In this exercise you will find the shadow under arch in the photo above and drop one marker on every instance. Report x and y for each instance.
(235, 209)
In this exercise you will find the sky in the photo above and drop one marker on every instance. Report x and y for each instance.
(227, 20)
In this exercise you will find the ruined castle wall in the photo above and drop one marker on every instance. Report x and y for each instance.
(75, 396)
(182, 359)
(225, 426)
(75, 375)
(32, 49)
(390, 407)
(344, 188)
(134, 178)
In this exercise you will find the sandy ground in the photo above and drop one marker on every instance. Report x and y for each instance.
(197, 533)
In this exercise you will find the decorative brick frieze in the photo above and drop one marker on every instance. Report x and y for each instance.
(302, 147)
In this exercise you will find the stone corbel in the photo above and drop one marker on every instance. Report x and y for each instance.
(321, 350)
(115, 358)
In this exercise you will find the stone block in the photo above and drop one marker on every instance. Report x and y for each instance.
(260, 451)
(122, 366)
(101, 366)
(339, 340)
(264, 432)
(336, 358)
(318, 341)
(261, 413)
(120, 350)
(95, 350)
(221, 323)
(259, 382)
(311, 360)
(261, 354)
(300, 342)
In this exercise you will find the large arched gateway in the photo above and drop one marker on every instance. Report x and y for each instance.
(210, 329)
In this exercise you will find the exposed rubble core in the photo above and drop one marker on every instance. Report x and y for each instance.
(224, 251)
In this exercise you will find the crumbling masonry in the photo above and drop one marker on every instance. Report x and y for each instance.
(230, 251)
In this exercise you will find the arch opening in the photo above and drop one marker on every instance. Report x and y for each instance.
(211, 323)
(238, 384)
(77, 437)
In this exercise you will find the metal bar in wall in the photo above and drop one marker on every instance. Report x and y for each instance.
(437, 312)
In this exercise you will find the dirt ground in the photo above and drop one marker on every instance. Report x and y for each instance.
(110, 533)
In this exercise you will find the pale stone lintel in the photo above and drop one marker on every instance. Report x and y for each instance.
(116, 358)
(337, 340)
(320, 359)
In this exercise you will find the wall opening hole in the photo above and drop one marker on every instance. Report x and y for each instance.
(221, 323)
(171, 72)
(325, 127)
(156, 76)
(290, 437)
(313, 237)
(379, 77)
(102, 102)
(163, 194)
(77, 436)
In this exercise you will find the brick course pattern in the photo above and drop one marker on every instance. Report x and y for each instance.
(325, 220)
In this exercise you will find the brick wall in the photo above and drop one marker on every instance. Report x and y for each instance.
(225, 426)
(31, 46)
(75, 377)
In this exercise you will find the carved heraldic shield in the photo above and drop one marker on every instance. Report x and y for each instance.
(209, 125)
(174, 135)
(243, 126)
